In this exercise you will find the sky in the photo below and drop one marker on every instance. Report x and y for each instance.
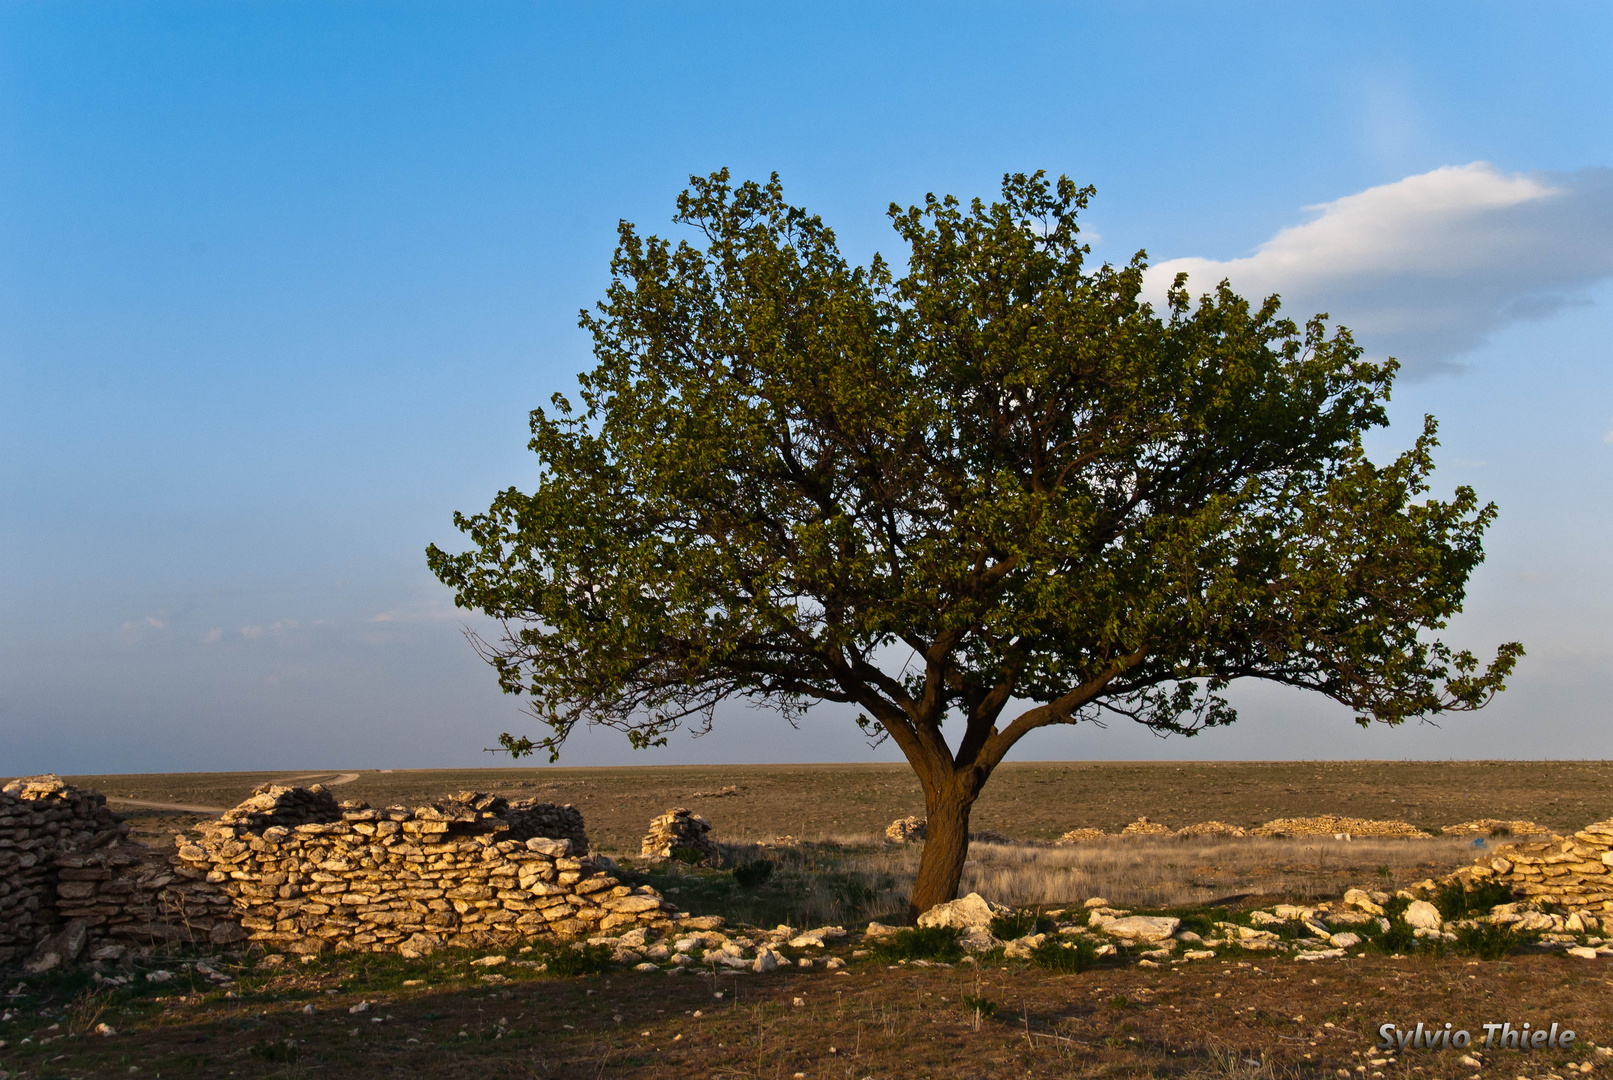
(280, 282)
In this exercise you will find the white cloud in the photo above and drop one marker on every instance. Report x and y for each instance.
(1428, 267)
(214, 636)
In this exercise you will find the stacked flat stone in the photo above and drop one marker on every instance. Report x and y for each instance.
(1080, 836)
(411, 881)
(1211, 828)
(680, 829)
(906, 830)
(275, 804)
(1496, 827)
(1574, 873)
(1143, 827)
(41, 819)
(1328, 825)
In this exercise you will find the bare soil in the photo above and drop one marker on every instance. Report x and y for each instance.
(1254, 1020)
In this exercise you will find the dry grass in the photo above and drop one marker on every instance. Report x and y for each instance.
(1133, 871)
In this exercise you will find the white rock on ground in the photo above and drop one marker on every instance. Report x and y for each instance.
(1142, 927)
(1421, 915)
(965, 913)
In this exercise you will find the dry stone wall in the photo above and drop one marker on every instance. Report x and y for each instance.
(680, 830)
(304, 874)
(42, 820)
(1574, 873)
(296, 871)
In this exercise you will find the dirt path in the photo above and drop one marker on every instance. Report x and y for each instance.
(191, 808)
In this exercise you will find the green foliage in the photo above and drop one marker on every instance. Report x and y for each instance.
(575, 960)
(273, 1050)
(919, 943)
(784, 469)
(1487, 941)
(688, 856)
(1015, 924)
(754, 873)
(982, 1006)
(1067, 956)
(1456, 902)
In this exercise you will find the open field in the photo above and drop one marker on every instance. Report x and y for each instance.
(1028, 801)
(1238, 1016)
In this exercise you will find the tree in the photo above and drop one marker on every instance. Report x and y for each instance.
(997, 492)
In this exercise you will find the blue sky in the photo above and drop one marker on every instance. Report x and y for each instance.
(280, 282)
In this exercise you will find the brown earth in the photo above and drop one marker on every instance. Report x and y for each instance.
(1029, 800)
(1258, 1021)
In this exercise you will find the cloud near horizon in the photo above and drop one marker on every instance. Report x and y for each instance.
(1427, 268)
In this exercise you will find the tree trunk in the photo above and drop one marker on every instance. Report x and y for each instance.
(946, 845)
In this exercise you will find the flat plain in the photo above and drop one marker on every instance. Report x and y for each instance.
(1259, 1017)
(1035, 801)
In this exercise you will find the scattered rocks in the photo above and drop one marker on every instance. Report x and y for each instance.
(1143, 827)
(721, 793)
(680, 833)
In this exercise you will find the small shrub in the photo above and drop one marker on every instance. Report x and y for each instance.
(1455, 902)
(754, 873)
(1065, 956)
(920, 943)
(274, 1051)
(982, 1006)
(688, 856)
(588, 960)
(1488, 941)
(1016, 924)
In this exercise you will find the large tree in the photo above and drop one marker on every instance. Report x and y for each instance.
(993, 492)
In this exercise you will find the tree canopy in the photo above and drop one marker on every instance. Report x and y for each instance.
(991, 489)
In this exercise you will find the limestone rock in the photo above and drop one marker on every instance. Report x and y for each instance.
(1143, 827)
(965, 913)
(1421, 915)
(1142, 927)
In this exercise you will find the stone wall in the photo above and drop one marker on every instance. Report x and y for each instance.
(42, 820)
(294, 870)
(470, 870)
(1574, 873)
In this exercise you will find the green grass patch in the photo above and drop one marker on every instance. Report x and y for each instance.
(1456, 902)
(1065, 956)
(919, 943)
(1016, 924)
(752, 874)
